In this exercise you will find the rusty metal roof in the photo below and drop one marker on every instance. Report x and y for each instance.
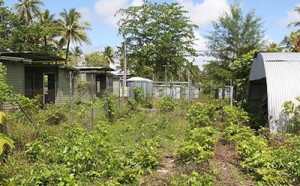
(32, 56)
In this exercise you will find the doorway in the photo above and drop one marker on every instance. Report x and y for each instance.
(48, 88)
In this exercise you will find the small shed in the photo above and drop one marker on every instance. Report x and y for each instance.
(95, 79)
(274, 79)
(32, 74)
(138, 82)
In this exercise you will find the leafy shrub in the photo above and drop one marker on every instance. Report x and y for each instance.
(249, 147)
(201, 114)
(55, 115)
(268, 165)
(236, 133)
(198, 145)
(138, 94)
(34, 151)
(139, 100)
(193, 152)
(293, 112)
(4, 140)
(146, 155)
(110, 109)
(46, 175)
(166, 104)
(234, 115)
(204, 179)
(206, 137)
(132, 104)
(271, 176)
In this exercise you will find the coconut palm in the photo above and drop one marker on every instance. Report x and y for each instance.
(77, 51)
(292, 42)
(72, 29)
(296, 23)
(26, 9)
(109, 54)
(47, 20)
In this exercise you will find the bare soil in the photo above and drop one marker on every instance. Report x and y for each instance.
(229, 172)
(227, 164)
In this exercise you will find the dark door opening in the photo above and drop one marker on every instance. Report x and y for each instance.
(49, 88)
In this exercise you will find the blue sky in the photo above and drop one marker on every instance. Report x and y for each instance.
(276, 14)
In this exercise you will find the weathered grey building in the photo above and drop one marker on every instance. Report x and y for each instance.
(33, 74)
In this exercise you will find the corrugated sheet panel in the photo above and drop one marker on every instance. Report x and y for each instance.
(281, 57)
(283, 84)
(282, 72)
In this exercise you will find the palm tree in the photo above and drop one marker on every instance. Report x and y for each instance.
(47, 20)
(296, 23)
(292, 42)
(72, 29)
(26, 9)
(77, 51)
(109, 54)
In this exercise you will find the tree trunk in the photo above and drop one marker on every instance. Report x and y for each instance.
(45, 41)
(68, 46)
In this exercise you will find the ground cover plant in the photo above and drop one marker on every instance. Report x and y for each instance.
(173, 144)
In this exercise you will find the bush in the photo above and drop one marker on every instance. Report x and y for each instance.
(234, 115)
(166, 104)
(198, 145)
(204, 179)
(55, 115)
(201, 115)
(237, 133)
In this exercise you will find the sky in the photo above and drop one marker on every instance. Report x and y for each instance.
(275, 15)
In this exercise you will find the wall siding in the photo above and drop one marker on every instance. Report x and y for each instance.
(63, 87)
(15, 76)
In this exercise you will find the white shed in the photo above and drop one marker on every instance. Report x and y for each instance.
(138, 82)
(275, 79)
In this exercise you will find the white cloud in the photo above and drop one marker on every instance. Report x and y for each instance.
(136, 2)
(107, 9)
(200, 13)
(203, 13)
(86, 15)
(200, 43)
(291, 16)
(268, 40)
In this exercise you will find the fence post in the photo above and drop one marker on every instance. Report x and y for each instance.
(71, 100)
(93, 99)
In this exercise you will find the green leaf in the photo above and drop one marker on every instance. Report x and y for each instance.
(5, 140)
(2, 116)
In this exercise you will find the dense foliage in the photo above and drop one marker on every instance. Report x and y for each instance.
(27, 28)
(157, 36)
(233, 36)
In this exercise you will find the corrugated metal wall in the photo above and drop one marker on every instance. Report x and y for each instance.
(282, 72)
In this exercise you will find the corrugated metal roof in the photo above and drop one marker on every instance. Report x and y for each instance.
(281, 57)
(139, 79)
(95, 69)
(33, 56)
(282, 72)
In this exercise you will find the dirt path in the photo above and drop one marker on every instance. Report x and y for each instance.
(165, 170)
(227, 165)
(229, 172)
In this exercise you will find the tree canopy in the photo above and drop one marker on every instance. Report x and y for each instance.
(234, 35)
(232, 43)
(72, 29)
(156, 36)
